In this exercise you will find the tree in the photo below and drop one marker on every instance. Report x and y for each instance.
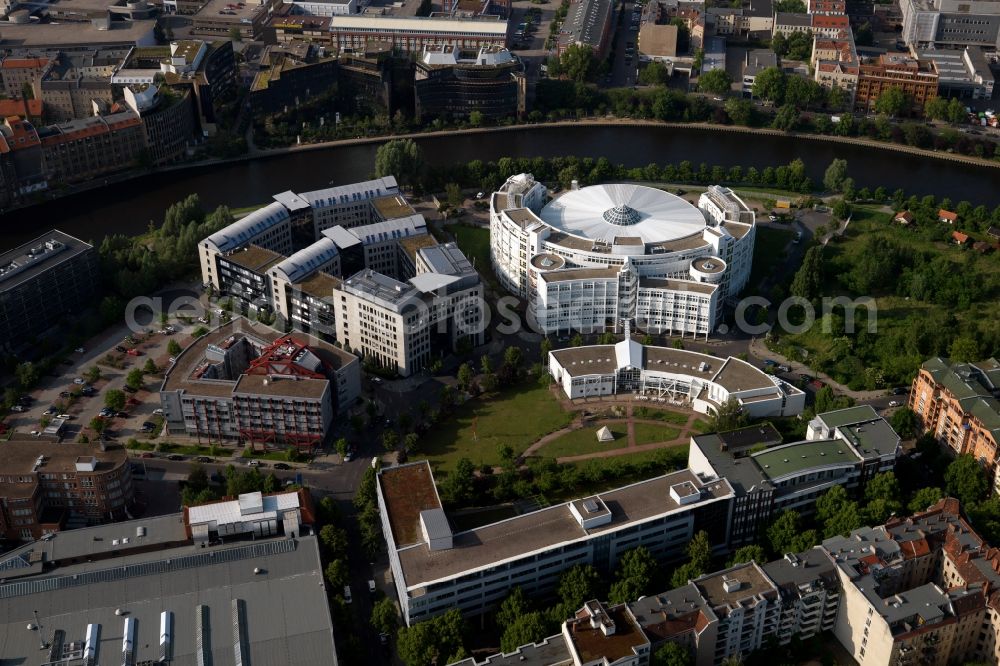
(98, 424)
(114, 399)
(457, 487)
(93, 374)
(150, 367)
(654, 74)
(453, 195)
(576, 341)
(965, 479)
(769, 85)
(699, 550)
(577, 62)
(196, 488)
(808, 281)
(841, 209)
(436, 641)
(717, 82)
(905, 422)
(672, 654)
(964, 349)
(892, 102)
(341, 446)
(956, 111)
(749, 553)
(785, 535)
(334, 540)
(835, 175)
(173, 348)
(27, 374)
(635, 572)
(134, 379)
(476, 118)
(578, 585)
(838, 513)
(514, 606)
(401, 158)
(740, 111)
(464, 376)
(924, 498)
(729, 416)
(235, 34)
(527, 628)
(337, 575)
(384, 616)
(936, 108)
(513, 356)
(390, 439)
(787, 118)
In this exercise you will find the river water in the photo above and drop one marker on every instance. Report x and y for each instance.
(129, 207)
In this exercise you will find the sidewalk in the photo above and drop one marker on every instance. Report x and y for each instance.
(759, 350)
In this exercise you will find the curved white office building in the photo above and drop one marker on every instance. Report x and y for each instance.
(593, 257)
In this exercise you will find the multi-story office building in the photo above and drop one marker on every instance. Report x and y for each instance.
(917, 78)
(964, 74)
(435, 569)
(42, 283)
(588, 23)
(842, 448)
(375, 281)
(412, 34)
(249, 383)
(661, 374)
(86, 148)
(292, 73)
(950, 23)
(47, 485)
(154, 591)
(596, 256)
(957, 402)
(452, 83)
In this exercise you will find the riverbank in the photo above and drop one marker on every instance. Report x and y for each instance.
(258, 154)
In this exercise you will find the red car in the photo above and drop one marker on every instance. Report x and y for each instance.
(147, 454)
(134, 352)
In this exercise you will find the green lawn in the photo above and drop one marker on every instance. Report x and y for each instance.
(768, 249)
(647, 433)
(700, 426)
(671, 459)
(475, 243)
(666, 415)
(519, 417)
(583, 441)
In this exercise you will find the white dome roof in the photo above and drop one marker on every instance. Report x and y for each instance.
(601, 212)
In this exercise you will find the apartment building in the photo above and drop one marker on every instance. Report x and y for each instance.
(958, 403)
(588, 23)
(42, 283)
(249, 383)
(47, 485)
(18, 74)
(412, 34)
(842, 448)
(836, 65)
(917, 78)
(153, 590)
(436, 569)
(673, 376)
(917, 590)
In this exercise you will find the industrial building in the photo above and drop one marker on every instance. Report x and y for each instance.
(674, 376)
(42, 283)
(950, 23)
(593, 257)
(154, 590)
(249, 383)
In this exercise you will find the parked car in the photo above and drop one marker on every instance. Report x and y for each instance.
(147, 454)
(89, 390)
(64, 394)
(134, 352)
(79, 381)
(784, 368)
(371, 587)
(51, 411)
(203, 459)
(282, 465)
(175, 456)
(64, 416)
(17, 408)
(158, 410)
(121, 349)
(348, 598)
(121, 415)
(254, 463)
(768, 362)
(129, 389)
(900, 390)
(893, 403)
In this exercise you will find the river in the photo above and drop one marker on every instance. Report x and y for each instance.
(129, 207)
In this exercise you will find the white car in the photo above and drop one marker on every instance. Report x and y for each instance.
(79, 381)
(79, 350)
(35, 433)
(64, 416)
(253, 463)
(893, 403)
(158, 410)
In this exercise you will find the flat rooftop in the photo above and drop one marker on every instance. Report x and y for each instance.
(745, 581)
(71, 34)
(286, 619)
(20, 454)
(407, 490)
(872, 438)
(319, 285)
(392, 206)
(255, 258)
(840, 417)
(678, 285)
(737, 375)
(286, 387)
(791, 458)
(540, 530)
(592, 645)
(28, 261)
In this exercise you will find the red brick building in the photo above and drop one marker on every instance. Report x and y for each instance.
(44, 485)
(917, 78)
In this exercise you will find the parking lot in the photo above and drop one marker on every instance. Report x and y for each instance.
(69, 391)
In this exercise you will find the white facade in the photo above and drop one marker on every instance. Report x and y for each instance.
(324, 8)
(679, 377)
(596, 256)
